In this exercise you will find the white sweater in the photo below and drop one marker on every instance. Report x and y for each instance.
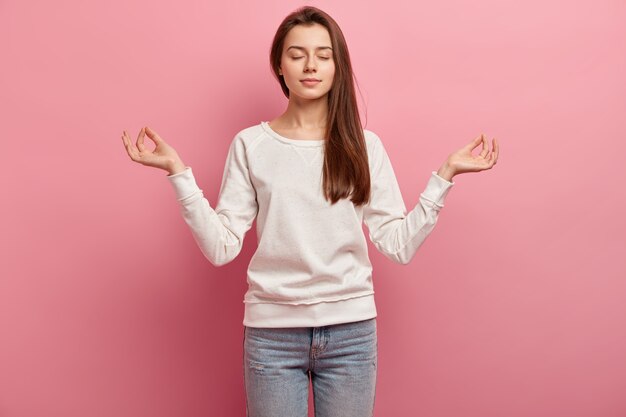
(311, 267)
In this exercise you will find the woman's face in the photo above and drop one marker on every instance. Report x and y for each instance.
(307, 53)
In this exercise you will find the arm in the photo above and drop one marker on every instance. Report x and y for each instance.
(219, 232)
(396, 234)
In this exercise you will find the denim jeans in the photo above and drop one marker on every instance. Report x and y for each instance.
(339, 360)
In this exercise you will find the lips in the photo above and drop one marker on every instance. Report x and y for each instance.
(310, 82)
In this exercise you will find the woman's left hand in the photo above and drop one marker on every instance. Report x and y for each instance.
(463, 161)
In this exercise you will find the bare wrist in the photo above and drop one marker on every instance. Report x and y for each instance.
(176, 167)
(446, 172)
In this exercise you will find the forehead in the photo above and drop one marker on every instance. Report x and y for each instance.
(308, 36)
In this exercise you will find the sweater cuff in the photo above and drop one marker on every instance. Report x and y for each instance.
(437, 189)
(184, 183)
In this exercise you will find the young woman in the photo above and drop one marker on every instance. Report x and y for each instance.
(310, 177)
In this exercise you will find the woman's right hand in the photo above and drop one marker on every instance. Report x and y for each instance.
(163, 156)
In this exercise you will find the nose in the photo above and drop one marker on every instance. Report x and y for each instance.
(310, 65)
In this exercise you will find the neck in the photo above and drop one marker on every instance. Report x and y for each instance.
(303, 113)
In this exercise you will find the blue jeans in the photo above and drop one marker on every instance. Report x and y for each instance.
(340, 360)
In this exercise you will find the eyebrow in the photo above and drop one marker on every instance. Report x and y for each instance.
(303, 48)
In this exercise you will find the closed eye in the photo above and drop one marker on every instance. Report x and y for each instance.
(321, 57)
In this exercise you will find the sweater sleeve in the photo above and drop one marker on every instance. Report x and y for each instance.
(219, 232)
(396, 234)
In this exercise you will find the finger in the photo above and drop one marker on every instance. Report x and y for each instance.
(485, 149)
(492, 155)
(153, 135)
(496, 150)
(140, 146)
(491, 160)
(473, 144)
(130, 149)
(126, 143)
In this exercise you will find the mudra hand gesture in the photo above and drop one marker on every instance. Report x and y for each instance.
(463, 161)
(163, 156)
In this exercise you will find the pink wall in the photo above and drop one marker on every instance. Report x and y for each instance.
(513, 307)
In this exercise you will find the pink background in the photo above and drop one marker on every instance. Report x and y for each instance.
(513, 307)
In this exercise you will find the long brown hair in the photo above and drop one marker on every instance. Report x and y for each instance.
(346, 167)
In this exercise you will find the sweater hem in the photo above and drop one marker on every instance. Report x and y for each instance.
(310, 315)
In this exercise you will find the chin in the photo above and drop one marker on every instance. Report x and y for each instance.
(308, 96)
